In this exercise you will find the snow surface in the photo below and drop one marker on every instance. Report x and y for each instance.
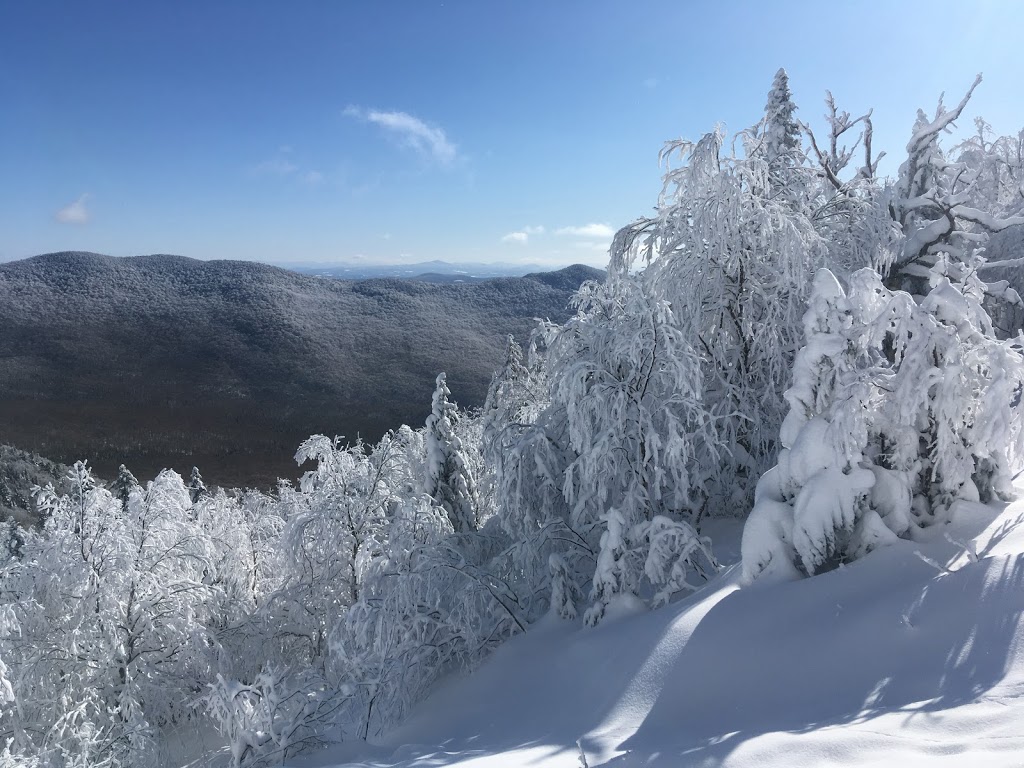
(911, 656)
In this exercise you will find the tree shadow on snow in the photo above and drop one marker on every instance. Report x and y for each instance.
(886, 635)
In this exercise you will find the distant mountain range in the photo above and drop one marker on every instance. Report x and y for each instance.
(160, 361)
(427, 271)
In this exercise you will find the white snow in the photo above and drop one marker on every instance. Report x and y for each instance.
(910, 656)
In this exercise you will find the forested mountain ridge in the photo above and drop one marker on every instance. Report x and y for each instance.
(169, 361)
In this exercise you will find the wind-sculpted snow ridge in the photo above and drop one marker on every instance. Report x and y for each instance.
(912, 656)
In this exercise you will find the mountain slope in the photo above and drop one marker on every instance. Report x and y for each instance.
(168, 361)
(19, 472)
(889, 661)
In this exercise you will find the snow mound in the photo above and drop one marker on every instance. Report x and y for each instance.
(912, 656)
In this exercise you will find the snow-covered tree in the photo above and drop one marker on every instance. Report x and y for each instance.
(110, 607)
(781, 140)
(124, 486)
(734, 261)
(449, 479)
(898, 409)
(196, 486)
(630, 387)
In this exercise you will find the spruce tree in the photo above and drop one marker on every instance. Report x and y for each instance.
(196, 487)
(123, 486)
(782, 140)
(449, 479)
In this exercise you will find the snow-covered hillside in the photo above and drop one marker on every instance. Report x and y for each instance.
(912, 656)
(230, 364)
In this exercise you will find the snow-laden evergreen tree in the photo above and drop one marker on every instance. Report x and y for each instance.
(781, 140)
(902, 402)
(196, 486)
(511, 400)
(449, 479)
(898, 410)
(124, 485)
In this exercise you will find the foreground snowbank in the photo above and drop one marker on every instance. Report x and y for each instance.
(911, 656)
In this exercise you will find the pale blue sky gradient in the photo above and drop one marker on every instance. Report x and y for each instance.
(407, 131)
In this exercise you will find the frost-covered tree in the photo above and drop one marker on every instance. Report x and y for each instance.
(511, 399)
(734, 261)
(630, 386)
(849, 205)
(524, 441)
(110, 607)
(781, 141)
(280, 686)
(996, 168)
(196, 486)
(898, 410)
(527, 450)
(124, 486)
(932, 204)
(449, 478)
(902, 402)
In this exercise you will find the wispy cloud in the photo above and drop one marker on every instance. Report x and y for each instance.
(283, 165)
(428, 140)
(75, 213)
(597, 231)
(275, 166)
(522, 236)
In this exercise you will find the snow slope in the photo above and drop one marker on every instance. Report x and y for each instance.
(889, 661)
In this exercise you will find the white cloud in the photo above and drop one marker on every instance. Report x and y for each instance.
(313, 177)
(599, 231)
(74, 213)
(523, 235)
(428, 140)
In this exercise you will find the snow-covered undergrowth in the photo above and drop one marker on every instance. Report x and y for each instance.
(912, 656)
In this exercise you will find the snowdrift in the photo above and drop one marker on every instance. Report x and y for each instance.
(911, 657)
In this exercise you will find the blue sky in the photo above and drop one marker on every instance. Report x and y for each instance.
(406, 131)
